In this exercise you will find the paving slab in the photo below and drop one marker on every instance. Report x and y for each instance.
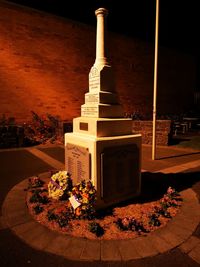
(145, 247)
(159, 243)
(21, 185)
(190, 244)
(183, 227)
(17, 218)
(128, 250)
(32, 235)
(75, 248)
(22, 228)
(189, 195)
(110, 250)
(56, 164)
(44, 175)
(40, 235)
(192, 210)
(59, 246)
(91, 250)
(197, 231)
(174, 234)
(195, 253)
(179, 230)
(14, 205)
(171, 238)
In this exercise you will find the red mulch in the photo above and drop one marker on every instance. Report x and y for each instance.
(79, 227)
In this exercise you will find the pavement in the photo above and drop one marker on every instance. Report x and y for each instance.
(24, 242)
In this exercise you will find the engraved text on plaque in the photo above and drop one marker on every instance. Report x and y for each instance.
(78, 162)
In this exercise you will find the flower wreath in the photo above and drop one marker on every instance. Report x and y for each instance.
(85, 193)
(61, 187)
(60, 183)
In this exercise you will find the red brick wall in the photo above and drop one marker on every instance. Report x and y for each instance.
(163, 131)
(45, 61)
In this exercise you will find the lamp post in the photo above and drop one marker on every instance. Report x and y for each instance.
(155, 82)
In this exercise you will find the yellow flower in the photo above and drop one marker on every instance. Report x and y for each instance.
(58, 184)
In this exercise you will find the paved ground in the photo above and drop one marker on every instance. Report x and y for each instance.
(175, 167)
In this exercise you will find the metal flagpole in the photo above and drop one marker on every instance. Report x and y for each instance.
(155, 82)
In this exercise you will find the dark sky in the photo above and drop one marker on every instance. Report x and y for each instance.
(178, 21)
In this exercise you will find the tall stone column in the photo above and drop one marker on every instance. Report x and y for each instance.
(101, 59)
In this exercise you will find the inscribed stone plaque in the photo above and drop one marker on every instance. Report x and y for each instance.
(119, 172)
(89, 111)
(92, 98)
(78, 162)
(94, 80)
(83, 126)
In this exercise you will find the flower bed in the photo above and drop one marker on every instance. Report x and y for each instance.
(70, 209)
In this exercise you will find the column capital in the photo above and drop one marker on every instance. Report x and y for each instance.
(101, 11)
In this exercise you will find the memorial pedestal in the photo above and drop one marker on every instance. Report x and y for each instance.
(113, 165)
(102, 147)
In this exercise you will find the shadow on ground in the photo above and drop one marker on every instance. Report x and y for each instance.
(154, 185)
(190, 140)
(178, 156)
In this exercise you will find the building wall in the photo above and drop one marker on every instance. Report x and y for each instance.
(164, 131)
(45, 61)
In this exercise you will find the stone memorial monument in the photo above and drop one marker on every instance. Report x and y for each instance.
(102, 147)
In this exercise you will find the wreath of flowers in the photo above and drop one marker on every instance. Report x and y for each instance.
(59, 185)
(85, 194)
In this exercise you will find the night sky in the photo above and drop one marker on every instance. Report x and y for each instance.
(178, 22)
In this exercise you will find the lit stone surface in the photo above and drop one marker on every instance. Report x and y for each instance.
(105, 134)
(102, 127)
(101, 97)
(78, 162)
(101, 111)
(101, 100)
(97, 147)
(101, 60)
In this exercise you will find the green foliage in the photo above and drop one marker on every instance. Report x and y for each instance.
(51, 216)
(62, 219)
(162, 211)
(96, 229)
(41, 129)
(153, 220)
(130, 224)
(38, 198)
(38, 209)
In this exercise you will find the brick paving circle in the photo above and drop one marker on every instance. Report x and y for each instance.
(174, 234)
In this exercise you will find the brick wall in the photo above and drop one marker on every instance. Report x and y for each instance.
(163, 131)
(45, 61)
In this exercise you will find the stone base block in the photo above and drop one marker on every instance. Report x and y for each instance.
(113, 164)
(101, 127)
(101, 97)
(102, 111)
